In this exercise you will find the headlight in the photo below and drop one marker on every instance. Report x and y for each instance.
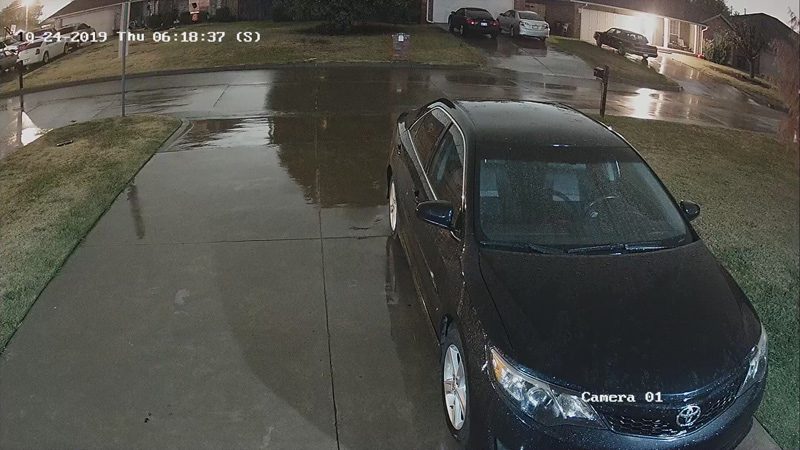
(547, 404)
(758, 363)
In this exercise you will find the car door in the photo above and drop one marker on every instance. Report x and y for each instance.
(441, 248)
(422, 139)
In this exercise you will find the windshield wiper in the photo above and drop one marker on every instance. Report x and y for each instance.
(533, 248)
(619, 248)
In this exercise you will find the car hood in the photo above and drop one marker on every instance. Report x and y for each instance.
(671, 321)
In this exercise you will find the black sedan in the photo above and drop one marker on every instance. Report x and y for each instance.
(574, 303)
(473, 21)
(625, 41)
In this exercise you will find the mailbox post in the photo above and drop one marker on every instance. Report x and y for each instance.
(601, 73)
(21, 71)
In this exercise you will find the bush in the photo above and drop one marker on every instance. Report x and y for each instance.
(340, 15)
(185, 18)
(281, 11)
(169, 18)
(719, 49)
(154, 22)
(223, 14)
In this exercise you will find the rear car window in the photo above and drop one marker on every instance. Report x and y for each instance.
(479, 14)
(529, 15)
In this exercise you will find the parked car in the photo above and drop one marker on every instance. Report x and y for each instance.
(524, 23)
(72, 35)
(40, 51)
(574, 304)
(626, 42)
(8, 59)
(473, 21)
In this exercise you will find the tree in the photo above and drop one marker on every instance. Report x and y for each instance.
(788, 82)
(750, 41)
(14, 14)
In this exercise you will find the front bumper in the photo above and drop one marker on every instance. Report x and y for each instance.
(509, 429)
(33, 59)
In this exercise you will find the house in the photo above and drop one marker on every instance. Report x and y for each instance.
(661, 21)
(102, 15)
(773, 29)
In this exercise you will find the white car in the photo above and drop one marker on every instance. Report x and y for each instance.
(40, 51)
(524, 23)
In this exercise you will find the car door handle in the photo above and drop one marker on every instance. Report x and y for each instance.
(416, 196)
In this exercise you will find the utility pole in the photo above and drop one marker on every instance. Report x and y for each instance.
(123, 44)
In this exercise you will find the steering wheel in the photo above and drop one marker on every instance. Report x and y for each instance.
(559, 194)
(590, 211)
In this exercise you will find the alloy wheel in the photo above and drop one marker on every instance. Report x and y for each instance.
(392, 207)
(455, 387)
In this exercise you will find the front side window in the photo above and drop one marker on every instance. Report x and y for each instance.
(425, 133)
(571, 198)
(446, 171)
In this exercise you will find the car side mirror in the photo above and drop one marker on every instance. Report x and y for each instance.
(436, 212)
(690, 209)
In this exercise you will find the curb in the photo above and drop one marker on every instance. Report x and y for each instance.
(241, 67)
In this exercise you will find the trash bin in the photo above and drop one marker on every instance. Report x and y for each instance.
(401, 46)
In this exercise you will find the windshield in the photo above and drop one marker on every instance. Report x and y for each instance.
(572, 198)
(529, 15)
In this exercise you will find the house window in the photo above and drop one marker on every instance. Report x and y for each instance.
(674, 27)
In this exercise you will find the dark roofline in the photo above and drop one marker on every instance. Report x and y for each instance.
(69, 9)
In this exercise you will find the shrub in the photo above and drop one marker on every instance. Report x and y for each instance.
(154, 22)
(719, 49)
(223, 14)
(169, 18)
(185, 18)
(340, 15)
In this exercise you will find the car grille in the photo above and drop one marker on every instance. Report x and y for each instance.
(660, 420)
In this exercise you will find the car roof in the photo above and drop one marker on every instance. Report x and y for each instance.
(532, 123)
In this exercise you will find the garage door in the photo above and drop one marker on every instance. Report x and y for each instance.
(442, 8)
(593, 20)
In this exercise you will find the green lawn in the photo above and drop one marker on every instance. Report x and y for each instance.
(622, 69)
(760, 89)
(747, 185)
(51, 196)
(281, 43)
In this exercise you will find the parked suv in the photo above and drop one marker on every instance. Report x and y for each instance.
(626, 42)
(473, 21)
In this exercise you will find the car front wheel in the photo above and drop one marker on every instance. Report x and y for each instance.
(46, 58)
(392, 207)
(455, 389)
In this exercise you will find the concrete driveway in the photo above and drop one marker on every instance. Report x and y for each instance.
(243, 291)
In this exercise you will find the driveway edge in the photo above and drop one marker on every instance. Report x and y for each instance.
(179, 131)
(314, 65)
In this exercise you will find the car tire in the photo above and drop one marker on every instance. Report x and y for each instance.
(45, 58)
(450, 26)
(455, 386)
(393, 208)
(644, 60)
(621, 50)
(599, 43)
(462, 31)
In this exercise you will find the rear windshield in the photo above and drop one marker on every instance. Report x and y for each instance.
(479, 14)
(529, 15)
(30, 45)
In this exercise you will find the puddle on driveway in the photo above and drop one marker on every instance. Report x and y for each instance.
(25, 132)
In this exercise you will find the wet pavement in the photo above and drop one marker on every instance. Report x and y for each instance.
(243, 291)
(370, 90)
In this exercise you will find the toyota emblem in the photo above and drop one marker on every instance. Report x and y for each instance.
(688, 415)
